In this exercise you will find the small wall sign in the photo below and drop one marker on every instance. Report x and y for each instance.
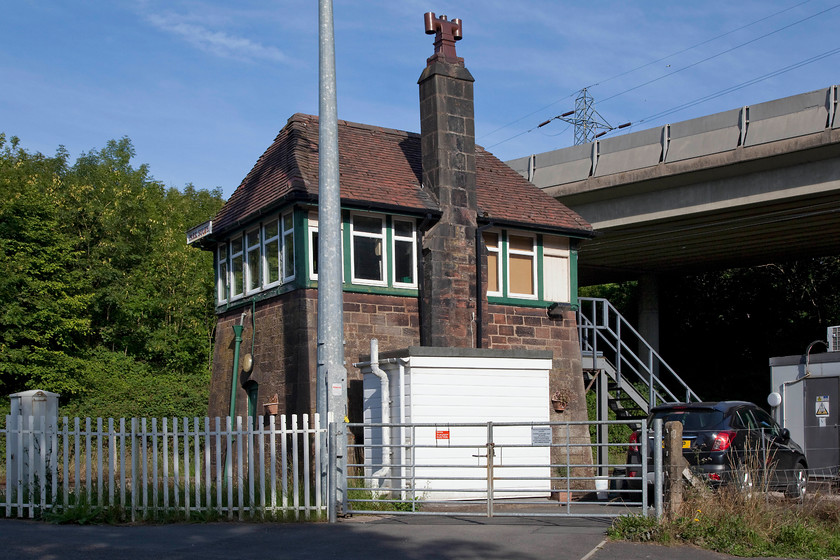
(822, 406)
(198, 232)
(540, 436)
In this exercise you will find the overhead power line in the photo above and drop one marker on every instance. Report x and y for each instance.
(622, 74)
(729, 50)
(700, 44)
(561, 117)
(587, 121)
(742, 85)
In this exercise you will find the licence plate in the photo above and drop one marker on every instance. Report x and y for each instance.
(686, 444)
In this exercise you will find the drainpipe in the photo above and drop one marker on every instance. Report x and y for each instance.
(237, 333)
(427, 220)
(479, 319)
(385, 394)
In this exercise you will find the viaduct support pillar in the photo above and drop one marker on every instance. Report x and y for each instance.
(649, 312)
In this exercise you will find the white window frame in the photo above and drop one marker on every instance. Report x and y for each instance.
(498, 251)
(232, 255)
(404, 239)
(312, 227)
(253, 286)
(287, 238)
(277, 236)
(381, 236)
(533, 254)
(222, 277)
(556, 249)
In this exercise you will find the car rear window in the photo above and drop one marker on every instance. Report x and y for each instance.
(691, 419)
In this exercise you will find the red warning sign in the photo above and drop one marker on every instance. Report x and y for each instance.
(442, 434)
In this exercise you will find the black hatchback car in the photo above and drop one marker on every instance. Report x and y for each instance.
(730, 441)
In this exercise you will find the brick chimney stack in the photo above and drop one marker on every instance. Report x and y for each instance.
(447, 130)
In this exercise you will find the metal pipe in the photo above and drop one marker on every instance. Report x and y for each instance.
(385, 397)
(643, 447)
(402, 425)
(806, 374)
(479, 299)
(234, 381)
(331, 372)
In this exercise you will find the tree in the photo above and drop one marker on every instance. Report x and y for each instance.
(43, 321)
(100, 281)
(719, 329)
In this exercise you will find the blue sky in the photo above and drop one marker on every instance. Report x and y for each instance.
(202, 87)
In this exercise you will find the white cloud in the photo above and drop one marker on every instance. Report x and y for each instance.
(218, 43)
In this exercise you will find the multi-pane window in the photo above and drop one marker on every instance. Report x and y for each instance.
(368, 237)
(513, 262)
(252, 277)
(256, 259)
(522, 269)
(271, 252)
(222, 278)
(494, 262)
(237, 272)
(556, 274)
(278, 250)
(313, 246)
(404, 253)
(383, 252)
(288, 227)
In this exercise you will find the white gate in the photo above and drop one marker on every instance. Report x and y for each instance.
(487, 469)
(148, 468)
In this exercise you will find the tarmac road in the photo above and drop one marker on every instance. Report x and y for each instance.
(359, 538)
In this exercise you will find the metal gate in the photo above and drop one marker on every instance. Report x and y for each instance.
(492, 469)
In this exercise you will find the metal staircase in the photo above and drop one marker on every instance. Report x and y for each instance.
(629, 376)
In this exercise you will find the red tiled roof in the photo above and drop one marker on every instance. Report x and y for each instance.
(380, 167)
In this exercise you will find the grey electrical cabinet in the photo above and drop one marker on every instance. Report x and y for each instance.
(809, 387)
(822, 433)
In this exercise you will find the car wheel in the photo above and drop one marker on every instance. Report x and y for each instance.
(799, 485)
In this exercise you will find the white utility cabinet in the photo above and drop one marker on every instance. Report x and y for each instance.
(32, 444)
(438, 391)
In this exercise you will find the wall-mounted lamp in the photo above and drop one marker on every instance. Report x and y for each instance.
(557, 309)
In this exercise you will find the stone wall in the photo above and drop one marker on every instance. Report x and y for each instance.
(285, 351)
(284, 348)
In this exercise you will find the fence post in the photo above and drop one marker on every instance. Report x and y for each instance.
(676, 463)
(657, 467)
(332, 495)
(490, 453)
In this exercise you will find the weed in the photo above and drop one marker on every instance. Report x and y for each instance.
(743, 524)
(636, 528)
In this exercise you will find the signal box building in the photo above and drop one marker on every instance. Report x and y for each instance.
(443, 246)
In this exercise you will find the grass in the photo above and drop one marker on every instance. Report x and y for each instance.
(735, 523)
(364, 498)
(84, 509)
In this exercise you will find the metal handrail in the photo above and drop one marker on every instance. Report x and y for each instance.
(606, 330)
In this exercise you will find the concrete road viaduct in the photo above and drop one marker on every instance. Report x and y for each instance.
(744, 187)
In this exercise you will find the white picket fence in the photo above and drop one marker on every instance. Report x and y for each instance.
(151, 468)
